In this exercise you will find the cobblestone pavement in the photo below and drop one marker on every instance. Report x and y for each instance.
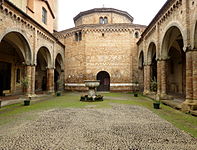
(122, 127)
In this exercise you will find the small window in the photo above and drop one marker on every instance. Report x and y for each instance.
(105, 20)
(136, 35)
(18, 75)
(101, 21)
(44, 15)
(78, 36)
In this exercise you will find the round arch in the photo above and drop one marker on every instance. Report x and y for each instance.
(167, 38)
(45, 53)
(173, 52)
(43, 62)
(58, 78)
(27, 51)
(59, 59)
(20, 42)
(15, 54)
(141, 60)
(152, 50)
(104, 78)
(151, 60)
(141, 70)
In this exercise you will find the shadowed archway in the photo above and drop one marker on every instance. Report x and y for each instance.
(15, 54)
(172, 52)
(104, 78)
(152, 61)
(141, 71)
(58, 78)
(43, 62)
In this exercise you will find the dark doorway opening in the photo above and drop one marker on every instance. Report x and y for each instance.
(104, 78)
(56, 78)
(5, 77)
(154, 68)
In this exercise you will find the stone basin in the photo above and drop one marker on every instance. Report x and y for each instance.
(92, 83)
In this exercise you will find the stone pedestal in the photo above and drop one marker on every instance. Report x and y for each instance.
(92, 84)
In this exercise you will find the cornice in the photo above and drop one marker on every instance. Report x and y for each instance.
(102, 10)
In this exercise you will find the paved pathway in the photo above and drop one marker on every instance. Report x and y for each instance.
(122, 127)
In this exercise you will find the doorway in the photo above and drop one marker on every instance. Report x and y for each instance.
(104, 78)
(5, 77)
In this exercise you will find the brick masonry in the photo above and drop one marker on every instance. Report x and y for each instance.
(107, 47)
(29, 37)
(179, 14)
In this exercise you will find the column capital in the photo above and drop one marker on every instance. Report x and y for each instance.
(50, 68)
(189, 48)
(30, 65)
(147, 64)
(163, 59)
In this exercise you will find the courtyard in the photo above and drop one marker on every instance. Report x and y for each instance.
(121, 122)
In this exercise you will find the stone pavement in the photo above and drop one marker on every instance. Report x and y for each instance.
(122, 127)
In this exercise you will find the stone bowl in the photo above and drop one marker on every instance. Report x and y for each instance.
(92, 83)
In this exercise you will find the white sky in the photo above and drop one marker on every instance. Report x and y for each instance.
(142, 11)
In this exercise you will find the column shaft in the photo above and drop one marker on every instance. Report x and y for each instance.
(163, 67)
(189, 74)
(50, 80)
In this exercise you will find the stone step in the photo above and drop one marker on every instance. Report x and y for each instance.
(172, 103)
(194, 112)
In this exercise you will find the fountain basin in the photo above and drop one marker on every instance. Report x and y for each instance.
(92, 84)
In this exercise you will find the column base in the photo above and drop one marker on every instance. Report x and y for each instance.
(189, 105)
(146, 92)
(51, 93)
(165, 97)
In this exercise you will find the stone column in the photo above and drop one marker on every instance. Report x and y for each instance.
(194, 79)
(163, 70)
(28, 75)
(147, 78)
(189, 74)
(158, 79)
(50, 80)
(191, 82)
(145, 86)
(33, 76)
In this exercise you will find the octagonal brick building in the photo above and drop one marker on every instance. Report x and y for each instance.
(101, 46)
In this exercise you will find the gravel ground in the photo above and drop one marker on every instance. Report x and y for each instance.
(121, 127)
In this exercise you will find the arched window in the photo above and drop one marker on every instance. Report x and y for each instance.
(80, 36)
(105, 20)
(76, 36)
(137, 35)
(44, 15)
(101, 21)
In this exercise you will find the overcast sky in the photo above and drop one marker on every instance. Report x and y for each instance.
(142, 11)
